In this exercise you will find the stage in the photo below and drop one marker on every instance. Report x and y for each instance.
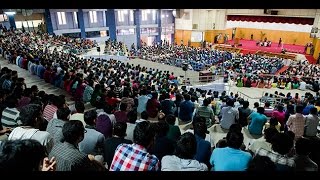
(249, 46)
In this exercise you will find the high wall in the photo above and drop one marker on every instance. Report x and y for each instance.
(214, 21)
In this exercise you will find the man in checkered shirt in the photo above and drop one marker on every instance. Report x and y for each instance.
(282, 144)
(135, 157)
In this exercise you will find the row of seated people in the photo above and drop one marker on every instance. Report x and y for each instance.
(264, 43)
(161, 153)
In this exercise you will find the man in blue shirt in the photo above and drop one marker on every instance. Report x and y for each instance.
(231, 158)
(186, 109)
(258, 119)
(306, 110)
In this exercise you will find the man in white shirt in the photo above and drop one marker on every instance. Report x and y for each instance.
(79, 115)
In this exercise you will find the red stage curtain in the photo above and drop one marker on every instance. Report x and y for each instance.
(271, 19)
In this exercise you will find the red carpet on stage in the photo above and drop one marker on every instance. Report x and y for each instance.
(311, 59)
(251, 45)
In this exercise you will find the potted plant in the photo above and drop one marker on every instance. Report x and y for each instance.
(262, 34)
(241, 34)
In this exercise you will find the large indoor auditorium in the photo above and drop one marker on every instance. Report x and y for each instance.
(160, 90)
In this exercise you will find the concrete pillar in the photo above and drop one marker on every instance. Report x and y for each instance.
(81, 23)
(49, 26)
(158, 37)
(137, 22)
(111, 23)
(12, 21)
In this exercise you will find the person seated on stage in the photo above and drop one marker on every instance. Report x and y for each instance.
(265, 44)
(257, 43)
(268, 44)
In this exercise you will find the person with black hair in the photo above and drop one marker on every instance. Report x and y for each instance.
(296, 122)
(183, 158)
(111, 144)
(303, 162)
(244, 113)
(153, 105)
(163, 145)
(310, 105)
(231, 158)
(257, 121)
(103, 123)
(136, 156)
(93, 141)
(10, 114)
(144, 117)
(229, 115)
(132, 117)
(203, 147)
(312, 122)
(265, 142)
(186, 109)
(167, 105)
(206, 112)
(261, 164)
(174, 131)
(25, 155)
(79, 115)
(255, 106)
(31, 118)
(55, 125)
(88, 91)
(67, 154)
(282, 145)
(121, 116)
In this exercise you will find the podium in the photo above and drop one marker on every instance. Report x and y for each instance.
(308, 50)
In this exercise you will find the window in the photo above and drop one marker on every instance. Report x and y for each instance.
(125, 31)
(131, 15)
(93, 16)
(3, 17)
(62, 18)
(145, 14)
(154, 15)
(75, 17)
(121, 14)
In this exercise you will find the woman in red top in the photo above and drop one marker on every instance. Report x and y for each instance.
(46, 75)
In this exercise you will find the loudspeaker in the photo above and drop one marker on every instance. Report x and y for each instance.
(98, 49)
(185, 66)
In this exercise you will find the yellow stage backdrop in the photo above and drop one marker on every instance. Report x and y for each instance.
(316, 44)
(288, 37)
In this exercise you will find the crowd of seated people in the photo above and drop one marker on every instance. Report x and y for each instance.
(264, 43)
(131, 127)
(307, 74)
(116, 48)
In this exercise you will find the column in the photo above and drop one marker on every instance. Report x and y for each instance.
(12, 21)
(81, 23)
(158, 38)
(111, 23)
(137, 18)
(49, 26)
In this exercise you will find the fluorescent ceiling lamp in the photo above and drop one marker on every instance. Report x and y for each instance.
(10, 13)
